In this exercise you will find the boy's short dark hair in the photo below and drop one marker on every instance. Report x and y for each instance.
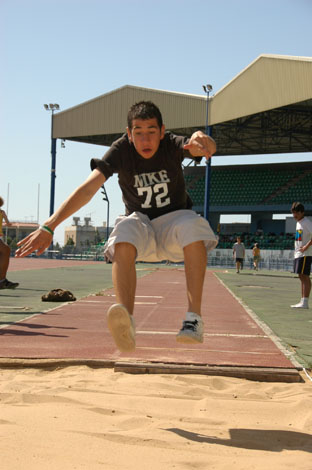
(297, 207)
(144, 110)
(1, 201)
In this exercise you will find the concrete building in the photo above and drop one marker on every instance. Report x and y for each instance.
(19, 230)
(84, 234)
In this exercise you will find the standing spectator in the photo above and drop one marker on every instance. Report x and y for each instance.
(256, 256)
(303, 253)
(4, 253)
(239, 254)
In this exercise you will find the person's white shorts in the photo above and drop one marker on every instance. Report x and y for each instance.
(162, 238)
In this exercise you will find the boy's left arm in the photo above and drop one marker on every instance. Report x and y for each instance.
(200, 144)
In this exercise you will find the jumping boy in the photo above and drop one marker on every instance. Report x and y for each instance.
(303, 253)
(158, 223)
(4, 253)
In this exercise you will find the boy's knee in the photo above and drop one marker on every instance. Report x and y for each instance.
(125, 249)
(195, 246)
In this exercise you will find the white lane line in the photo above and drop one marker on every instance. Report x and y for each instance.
(100, 302)
(211, 335)
(145, 303)
(254, 353)
(14, 308)
(139, 296)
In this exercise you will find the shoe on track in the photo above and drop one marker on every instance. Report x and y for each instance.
(300, 305)
(122, 327)
(5, 284)
(191, 332)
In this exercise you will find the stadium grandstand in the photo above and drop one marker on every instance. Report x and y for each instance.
(242, 186)
(259, 190)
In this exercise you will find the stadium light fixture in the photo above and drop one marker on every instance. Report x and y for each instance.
(51, 106)
(207, 88)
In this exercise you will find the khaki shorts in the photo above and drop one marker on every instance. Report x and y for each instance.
(162, 238)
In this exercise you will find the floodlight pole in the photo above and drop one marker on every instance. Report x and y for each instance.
(52, 108)
(207, 89)
(53, 167)
(105, 198)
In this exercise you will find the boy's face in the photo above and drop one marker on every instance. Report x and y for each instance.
(298, 215)
(146, 136)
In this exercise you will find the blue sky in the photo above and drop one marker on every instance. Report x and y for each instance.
(70, 51)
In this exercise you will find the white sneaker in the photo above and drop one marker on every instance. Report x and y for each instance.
(300, 305)
(191, 332)
(122, 327)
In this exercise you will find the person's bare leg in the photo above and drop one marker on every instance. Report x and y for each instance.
(305, 285)
(124, 275)
(305, 291)
(4, 259)
(120, 315)
(195, 262)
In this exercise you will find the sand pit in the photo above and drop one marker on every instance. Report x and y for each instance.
(83, 418)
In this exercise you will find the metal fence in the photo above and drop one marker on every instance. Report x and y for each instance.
(270, 260)
(270, 263)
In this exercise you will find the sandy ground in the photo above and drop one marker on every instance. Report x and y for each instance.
(83, 418)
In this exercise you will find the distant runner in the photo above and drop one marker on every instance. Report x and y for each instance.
(239, 254)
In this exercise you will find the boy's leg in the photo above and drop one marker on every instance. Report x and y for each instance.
(132, 239)
(124, 274)
(120, 320)
(184, 236)
(195, 261)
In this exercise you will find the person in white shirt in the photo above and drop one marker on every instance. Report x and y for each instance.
(239, 254)
(303, 253)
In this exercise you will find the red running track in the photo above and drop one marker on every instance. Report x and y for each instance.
(78, 330)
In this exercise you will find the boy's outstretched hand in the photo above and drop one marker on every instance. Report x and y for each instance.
(200, 144)
(38, 241)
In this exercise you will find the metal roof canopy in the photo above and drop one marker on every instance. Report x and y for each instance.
(265, 109)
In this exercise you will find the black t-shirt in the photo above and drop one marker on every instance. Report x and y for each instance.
(153, 186)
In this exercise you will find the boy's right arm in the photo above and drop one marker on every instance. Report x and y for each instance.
(40, 240)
